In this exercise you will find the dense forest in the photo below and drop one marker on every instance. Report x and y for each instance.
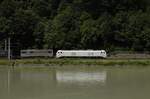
(76, 24)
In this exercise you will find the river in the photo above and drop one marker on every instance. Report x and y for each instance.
(75, 82)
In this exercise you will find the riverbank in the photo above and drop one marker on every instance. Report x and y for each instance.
(75, 61)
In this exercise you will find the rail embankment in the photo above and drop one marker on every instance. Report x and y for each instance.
(113, 59)
(76, 62)
(129, 55)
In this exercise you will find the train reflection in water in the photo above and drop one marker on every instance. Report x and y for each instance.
(80, 77)
(76, 77)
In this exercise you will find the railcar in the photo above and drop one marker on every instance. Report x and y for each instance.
(3, 53)
(36, 53)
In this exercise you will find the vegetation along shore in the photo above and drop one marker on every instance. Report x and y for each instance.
(66, 61)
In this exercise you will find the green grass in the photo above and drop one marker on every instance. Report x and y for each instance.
(76, 61)
(5, 62)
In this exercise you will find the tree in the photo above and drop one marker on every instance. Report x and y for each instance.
(22, 27)
(77, 24)
(64, 30)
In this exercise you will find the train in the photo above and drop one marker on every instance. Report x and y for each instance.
(29, 53)
(81, 53)
(3, 53)
(36, 53)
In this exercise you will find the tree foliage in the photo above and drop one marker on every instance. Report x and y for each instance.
(77, 24)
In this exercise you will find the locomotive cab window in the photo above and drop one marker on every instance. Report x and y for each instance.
(31, 52)
(49, 51)
(23, 52)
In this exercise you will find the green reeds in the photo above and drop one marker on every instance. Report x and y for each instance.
(78, 61)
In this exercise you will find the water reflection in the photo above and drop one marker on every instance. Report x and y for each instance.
(16, 84)
(78, 77)
(77, 83)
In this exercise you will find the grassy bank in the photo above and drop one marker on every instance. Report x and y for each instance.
(67, 61)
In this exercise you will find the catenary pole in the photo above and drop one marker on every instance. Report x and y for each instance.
(5, 45)
(9, 50)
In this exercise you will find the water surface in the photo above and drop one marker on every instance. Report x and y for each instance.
(75, 82)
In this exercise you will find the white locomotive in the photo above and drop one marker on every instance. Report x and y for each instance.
(81, 53)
